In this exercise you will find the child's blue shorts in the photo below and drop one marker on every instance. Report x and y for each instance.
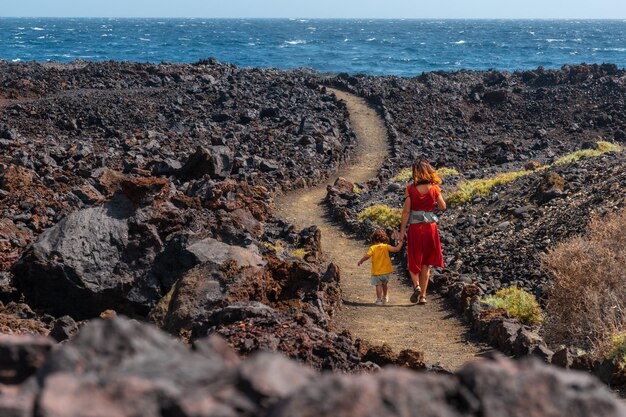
(380, 279)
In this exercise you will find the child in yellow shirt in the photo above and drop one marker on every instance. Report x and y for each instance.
(381, 263)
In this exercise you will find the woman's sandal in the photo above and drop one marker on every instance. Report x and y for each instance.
(422, 300)
(416, 293)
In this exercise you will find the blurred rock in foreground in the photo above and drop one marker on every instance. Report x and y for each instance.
(120, 367)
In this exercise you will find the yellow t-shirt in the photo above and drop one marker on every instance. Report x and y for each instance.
(381, 263)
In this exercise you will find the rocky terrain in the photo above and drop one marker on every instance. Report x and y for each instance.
(496, 241)
(147, 191)
(120, 367)
(484, 123)
(479, 120)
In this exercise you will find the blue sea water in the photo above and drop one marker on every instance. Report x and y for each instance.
(381, 47)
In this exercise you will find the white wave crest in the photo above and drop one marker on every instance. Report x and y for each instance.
(461, 42)
(296, 42)
(37, 28)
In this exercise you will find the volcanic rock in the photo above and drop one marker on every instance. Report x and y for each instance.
(120, 367)
(381, 355)
(21, 356)
(94, 259)
(551, 187)
(215, 161)
(63, 328)
(541, 390)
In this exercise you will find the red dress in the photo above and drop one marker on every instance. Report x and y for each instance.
(424, 245)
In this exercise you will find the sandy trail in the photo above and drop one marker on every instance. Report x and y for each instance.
(431, 328)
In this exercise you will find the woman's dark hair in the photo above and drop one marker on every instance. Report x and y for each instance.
(379, 236)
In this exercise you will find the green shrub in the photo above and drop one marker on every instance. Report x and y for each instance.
(618, 349)
(482, 187)
(404, 176)
(278, 247)
(467, 190)
(517, 303)
(381, 215)
(357, 190)
(299, 253)
(603, 147)
(447, 172)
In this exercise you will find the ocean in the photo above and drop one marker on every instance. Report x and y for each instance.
(377, 47)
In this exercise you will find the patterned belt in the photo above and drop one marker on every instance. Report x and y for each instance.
(418, 216)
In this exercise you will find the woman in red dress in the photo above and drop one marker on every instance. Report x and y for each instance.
(424, 246)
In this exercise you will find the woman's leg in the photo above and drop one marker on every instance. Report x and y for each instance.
(415, 278)
(417, 290)
(424, 275)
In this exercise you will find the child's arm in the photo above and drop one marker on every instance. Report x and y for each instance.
(363, 259)
(397, 247)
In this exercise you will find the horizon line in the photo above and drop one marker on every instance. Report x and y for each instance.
(315, 18)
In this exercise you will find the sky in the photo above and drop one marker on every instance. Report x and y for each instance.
(463, 9)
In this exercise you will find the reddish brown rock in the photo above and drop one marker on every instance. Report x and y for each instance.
(411, 359)
(138, 190)
(381, 355)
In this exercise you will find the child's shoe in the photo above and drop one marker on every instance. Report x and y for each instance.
(386, 299)
(378, 302)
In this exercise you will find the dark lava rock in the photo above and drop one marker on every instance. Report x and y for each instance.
(76, 258)
(611, 371)
(503, 334)
(496, 96)
(270, 376)
(540, 390)
(21, 356)
(164, 167)
(63, 328)
(215, 161)
(563, 358)
(252, 326)
(391, 392)
(7, 133)
(482, 387)
(120, 367)
(95, 259)
(270, 112)
(551, 187)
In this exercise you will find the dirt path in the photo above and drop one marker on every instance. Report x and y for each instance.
(431, 328)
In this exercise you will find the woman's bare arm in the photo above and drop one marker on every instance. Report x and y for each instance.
(406, 212)
(441, 203)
